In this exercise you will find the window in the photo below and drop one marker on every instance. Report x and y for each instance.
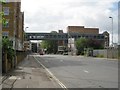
(6, 10)
(102, 37)
(5, 34)
(94, 37)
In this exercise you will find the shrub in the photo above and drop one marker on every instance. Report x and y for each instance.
(101, 56)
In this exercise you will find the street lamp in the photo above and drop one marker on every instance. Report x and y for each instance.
(26, 28)
(25, 31)
(112, 30)
(112, 35)
(25, 38)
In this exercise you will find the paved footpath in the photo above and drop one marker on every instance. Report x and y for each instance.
(29, 74)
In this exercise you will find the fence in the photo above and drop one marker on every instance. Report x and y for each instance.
(106, 53)
(7, 65)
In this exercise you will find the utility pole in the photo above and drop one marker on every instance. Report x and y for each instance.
(25, 38)
(112, 29)
(112, 34)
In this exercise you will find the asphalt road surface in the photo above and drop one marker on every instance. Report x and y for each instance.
(81, 72)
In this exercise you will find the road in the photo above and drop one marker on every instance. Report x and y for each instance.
(81, 72)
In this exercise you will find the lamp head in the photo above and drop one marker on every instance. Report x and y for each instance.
(110, 17)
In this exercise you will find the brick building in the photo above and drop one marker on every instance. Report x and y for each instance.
(82, 30)
(14, 28)
(90, 33)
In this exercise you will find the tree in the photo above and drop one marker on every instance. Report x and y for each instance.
(81, 43)
(7, 48)
(95, 44)
(50, 45)
(7, 52)
(2, 19)
(2, 1)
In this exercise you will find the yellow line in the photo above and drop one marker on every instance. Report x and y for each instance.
(58, 81)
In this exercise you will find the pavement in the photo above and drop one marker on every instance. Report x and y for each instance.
(102, 58)
(29, 74)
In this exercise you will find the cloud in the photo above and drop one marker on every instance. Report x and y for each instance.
(45, 15)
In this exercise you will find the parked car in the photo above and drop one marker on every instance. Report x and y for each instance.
(65, 53)
(41, 53)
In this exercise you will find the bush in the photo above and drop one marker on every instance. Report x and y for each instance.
(10, 54)
(101, 56)
(8, 48)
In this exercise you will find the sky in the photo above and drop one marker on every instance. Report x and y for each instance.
(54, 15)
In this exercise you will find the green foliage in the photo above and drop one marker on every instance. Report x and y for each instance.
(4, 22)
(95, 44)
(100, 56)
(2, 19)
(2, 1)
(45, 44)
(6, 44)
(81, 43)
(1, 14)
(7, 48)
(10, 53)
(50, 45)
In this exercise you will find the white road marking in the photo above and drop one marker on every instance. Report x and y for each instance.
(61, 60)
(19, 78)
(86, 71)
(20, 67)
(27, 86)
(13, 77)
(46, 61)
(58, 81)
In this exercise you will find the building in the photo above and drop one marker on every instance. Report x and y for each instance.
(14, 24)
(89, 33)
(82, 30)
(62, 44)
(106, 39)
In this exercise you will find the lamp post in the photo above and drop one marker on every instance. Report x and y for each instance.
(112, 34)
(112, 29)
(70, 43)
(26, 28)
(25, 38)
(25, 32)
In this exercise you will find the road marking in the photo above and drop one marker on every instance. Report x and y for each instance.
(86, 71)
(46, 61)
(61, 60)
(19, 78)
(13, 77)
(27, 86)
(58, 81)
